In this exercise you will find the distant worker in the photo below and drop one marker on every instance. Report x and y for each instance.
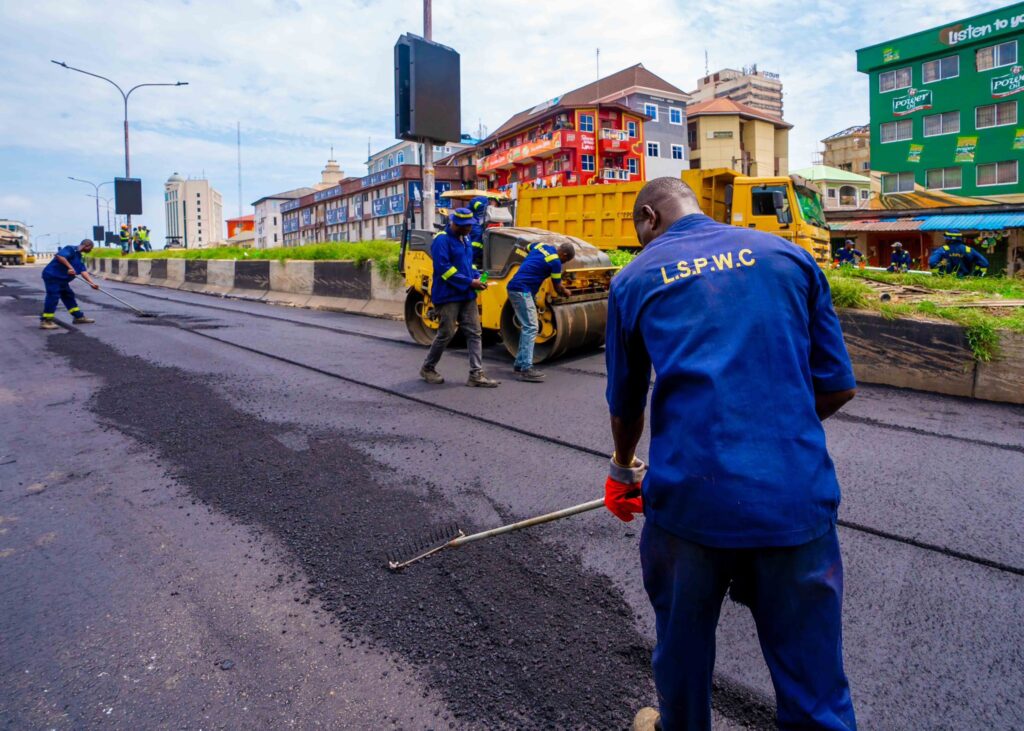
(126, 239)
(136, 239)
(848, 255)
(453, 292)
(478, 206)
(66, 264)
(954, 257)
(542, 263)
(900, 261)
(144, 238)
(741, 496)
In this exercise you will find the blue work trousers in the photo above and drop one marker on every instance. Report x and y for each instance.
(525, 307)
(58, 290)
(795, 595)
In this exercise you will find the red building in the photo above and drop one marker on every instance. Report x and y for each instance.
(242, 224)
(566, 146)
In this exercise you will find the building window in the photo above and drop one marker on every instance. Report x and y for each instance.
(651, 110)
(940, 68)
(631, 129)
(941, 124)
(847, 196)
(675, 115)
(633, 165)
(898, 183)
(587, 163)
(400, 157)
(943, 178)
(275, 238)
(865, 166)
(677, 152)
(895, 79)
(995, 115)
(992, 57)
(864, 193)
(831, 192)
(901, 129)
(391, 161)
(586, 123)
(998, 173)
(653, 149)
(275, 220)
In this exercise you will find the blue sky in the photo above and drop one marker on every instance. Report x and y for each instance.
(303, 75)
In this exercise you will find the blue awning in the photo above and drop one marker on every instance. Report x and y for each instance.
(975, 222)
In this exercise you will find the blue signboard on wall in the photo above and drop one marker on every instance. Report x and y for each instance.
(416, 190)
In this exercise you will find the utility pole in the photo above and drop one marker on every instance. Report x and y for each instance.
(96, 187)
(239, 132)
(124, 95)
(428, 145)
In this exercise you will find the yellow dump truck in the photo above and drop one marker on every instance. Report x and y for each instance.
(12, 251)
(566, 324)
(603, 214)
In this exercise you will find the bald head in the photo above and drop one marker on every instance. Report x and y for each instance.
(660, 203)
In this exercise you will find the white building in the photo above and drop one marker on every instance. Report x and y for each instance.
(405, 152)
(268, 217)
(194, 213)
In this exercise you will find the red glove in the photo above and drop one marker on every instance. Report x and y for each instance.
(622, 490)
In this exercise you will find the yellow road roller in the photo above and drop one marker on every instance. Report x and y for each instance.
(565, 324)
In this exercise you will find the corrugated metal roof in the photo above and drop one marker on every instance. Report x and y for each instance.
(975, 222)
(895, 224)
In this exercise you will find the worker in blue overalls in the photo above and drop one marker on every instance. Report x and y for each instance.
(899, 261)
(541, 263)
(741, 495)
(955, 257)
(478, 206)
(66, 264)
(453, 292)
(848, 255)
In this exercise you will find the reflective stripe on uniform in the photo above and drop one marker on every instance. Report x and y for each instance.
(75, 309)
(468, 217)
(48, 315)
(556, 276)
(448, 274)
(550, 257)
(478, 244)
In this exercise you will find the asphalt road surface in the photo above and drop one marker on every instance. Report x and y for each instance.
(195, 509)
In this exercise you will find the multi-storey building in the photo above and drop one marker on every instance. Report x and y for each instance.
(405, 152)
(840, 190)
(627, 126)
(193, 211)
(761, 90)
(267, 214)
(727, 134)
(945, 112)
(849, 149)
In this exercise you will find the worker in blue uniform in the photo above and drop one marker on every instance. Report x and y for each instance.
(543, 262)
(899, 261)
(66, 264)
(453, 292)
(954, 257)
(478, 206)
(848, 255)
(741, 495)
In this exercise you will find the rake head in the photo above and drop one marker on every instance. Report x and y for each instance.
(437, 540)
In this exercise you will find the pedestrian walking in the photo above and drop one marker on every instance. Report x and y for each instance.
(66, 264)
(453, 292)
(541, 263)
(741, 495)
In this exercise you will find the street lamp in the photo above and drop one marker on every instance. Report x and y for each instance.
(97, 196)
(124, 95)
(106, 204)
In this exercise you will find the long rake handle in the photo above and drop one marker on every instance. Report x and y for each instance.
(547, 518)
(132, 307)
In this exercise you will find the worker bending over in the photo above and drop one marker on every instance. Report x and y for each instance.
(955, 257)
(66, 264)
(848, 255)
(453, 291)
(899, 261)
(542, 263)
(741, 495)
(478, 207)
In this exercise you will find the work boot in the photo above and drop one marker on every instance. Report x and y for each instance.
(83, 320)
(47, 325)
(647, 719)
(531, 375)
(431, 376)
(479, 380)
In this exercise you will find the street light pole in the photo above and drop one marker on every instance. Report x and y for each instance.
(124, 95)
(97, 196)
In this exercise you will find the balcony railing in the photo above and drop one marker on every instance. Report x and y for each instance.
(520, 154)
(614, 174)
(614, 134)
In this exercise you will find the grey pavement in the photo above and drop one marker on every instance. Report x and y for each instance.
(128, 581)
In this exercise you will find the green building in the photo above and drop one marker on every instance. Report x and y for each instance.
(946, 124)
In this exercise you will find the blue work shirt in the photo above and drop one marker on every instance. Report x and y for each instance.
(740, 330)
(478, 206)
(848, 256)
(541, 263)
(958, 259)
(899, 261)
(56, 270)
(453, 269)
